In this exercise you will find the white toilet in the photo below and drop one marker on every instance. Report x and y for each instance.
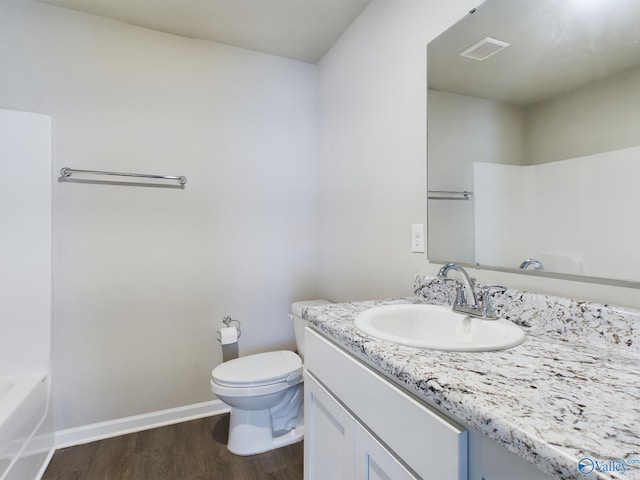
(265, 394)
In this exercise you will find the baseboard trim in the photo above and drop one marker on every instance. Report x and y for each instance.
(137, 423)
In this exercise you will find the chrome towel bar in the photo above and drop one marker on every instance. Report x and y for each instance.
(448, 195)
(67, 172)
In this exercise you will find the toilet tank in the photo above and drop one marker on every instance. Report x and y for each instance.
(299, 323)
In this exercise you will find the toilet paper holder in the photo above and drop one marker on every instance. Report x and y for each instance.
(227, 320)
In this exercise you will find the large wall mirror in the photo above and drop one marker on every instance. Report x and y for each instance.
(534, 139)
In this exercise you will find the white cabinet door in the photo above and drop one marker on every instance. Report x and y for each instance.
(328, 435)
(375, 462)
(431, 445)
(337, 447)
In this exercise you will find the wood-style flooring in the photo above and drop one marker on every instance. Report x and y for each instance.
(195, 450)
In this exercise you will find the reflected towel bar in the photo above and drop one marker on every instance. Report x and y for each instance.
(67, 172)
(448, 195)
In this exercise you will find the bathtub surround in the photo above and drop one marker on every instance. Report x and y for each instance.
(566, 393)
(26, 425)
(25, 243)
(545, 211)
(26, 429)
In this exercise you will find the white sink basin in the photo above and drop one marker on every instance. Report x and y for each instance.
(438, 328)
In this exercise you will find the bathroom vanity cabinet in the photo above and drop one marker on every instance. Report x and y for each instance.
(359, 425)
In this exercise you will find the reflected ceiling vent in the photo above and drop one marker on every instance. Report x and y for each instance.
(484, 49)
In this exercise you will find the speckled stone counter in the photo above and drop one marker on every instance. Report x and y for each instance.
(570, 391)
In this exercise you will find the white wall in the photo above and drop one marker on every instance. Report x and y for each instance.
(470, 130)
(372, 149)
(607, 109)
(143, 276)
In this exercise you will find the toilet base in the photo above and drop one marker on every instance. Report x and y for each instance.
(250, 433)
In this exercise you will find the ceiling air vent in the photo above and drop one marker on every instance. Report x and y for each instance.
(484, 49)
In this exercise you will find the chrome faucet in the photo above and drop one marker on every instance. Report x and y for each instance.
(466, 301)
(466, 296)
(531, 262)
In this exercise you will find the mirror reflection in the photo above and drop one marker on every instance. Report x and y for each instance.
(534, 138)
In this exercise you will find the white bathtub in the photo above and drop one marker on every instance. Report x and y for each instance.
(24, 447)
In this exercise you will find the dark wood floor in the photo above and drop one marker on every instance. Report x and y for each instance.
(194, 450)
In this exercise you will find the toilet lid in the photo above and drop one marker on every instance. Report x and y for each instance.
(258, 369)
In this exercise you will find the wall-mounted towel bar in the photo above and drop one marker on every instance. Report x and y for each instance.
(448, 195)
(67, 172)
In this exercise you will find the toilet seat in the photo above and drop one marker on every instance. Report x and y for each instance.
(257, 374)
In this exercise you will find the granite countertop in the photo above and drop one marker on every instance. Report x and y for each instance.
(549, 400)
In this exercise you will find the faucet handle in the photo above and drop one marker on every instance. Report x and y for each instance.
(461, 298)
(488, 311)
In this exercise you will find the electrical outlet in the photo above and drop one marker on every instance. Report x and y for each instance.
(417, 238)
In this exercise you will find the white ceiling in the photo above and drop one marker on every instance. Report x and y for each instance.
(299, 29)
(556, 46)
